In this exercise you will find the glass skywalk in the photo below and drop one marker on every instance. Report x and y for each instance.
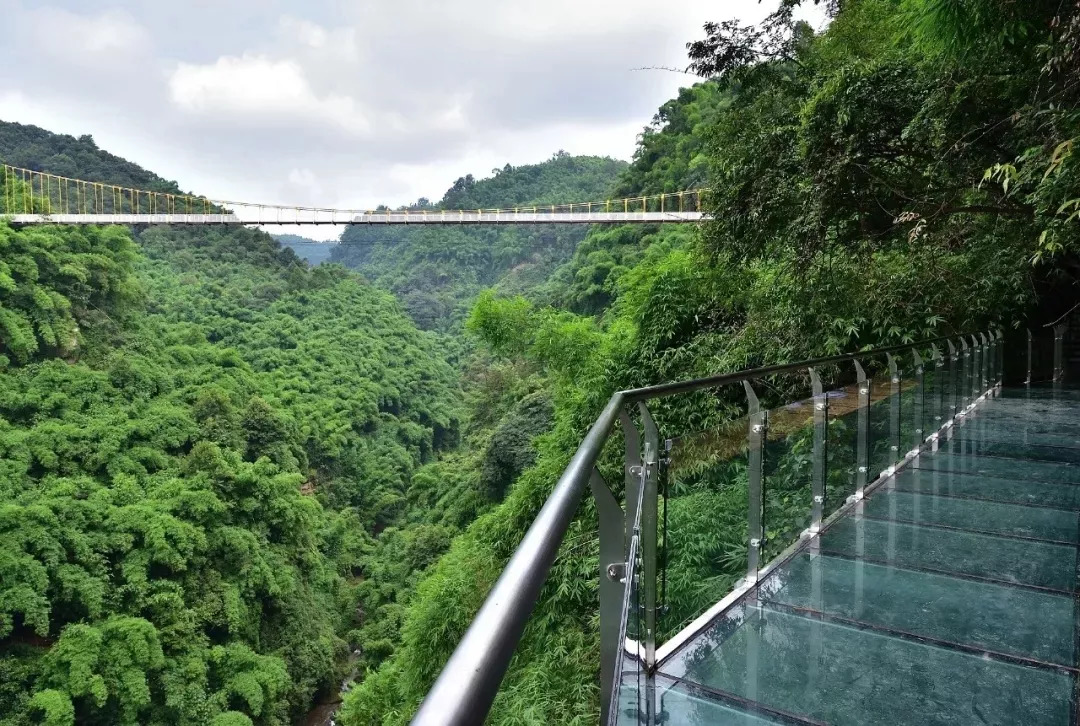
(948, 595)
(886, 536)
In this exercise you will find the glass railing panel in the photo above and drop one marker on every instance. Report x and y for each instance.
(1040, 357)
(935, 395)
(704, 543)
(788, 473)
(912, 405)
(843, 420)
(882, 455)
(832, 672)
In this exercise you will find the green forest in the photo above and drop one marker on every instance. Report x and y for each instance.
(233, 485)
(436, 272)
(309, 250)
(908, 172)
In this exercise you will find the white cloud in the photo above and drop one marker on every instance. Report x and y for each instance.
(302, 178)
(346, 103)
(258, 90)
(337, 44)
(305, 31)
(110, 36)
(452, 117)
(304, 186)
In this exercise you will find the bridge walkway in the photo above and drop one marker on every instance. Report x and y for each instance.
(948, 595)
(331, 217)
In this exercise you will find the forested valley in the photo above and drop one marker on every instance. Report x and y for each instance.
(223, 470)
(311, 251)
(230, 481)
(436, 272)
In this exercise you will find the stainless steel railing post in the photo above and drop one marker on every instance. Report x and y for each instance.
(757, 436)
(918, 402)
(862, 432)
(821, 452)
(895, 420)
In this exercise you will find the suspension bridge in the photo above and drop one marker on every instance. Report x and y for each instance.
(35, 198)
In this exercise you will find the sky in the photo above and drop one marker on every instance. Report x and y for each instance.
(346, 104)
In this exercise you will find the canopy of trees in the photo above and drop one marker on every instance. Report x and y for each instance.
(221, 472)
(206, 451)
(229, 481)
(907, 172)
(437, 271)
(31, 147)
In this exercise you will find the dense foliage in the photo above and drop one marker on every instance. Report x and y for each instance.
(229, 481)
(31, 147)
(437, 271)
(222, 472)
(206, 458)
(53, 285)
(908, 172)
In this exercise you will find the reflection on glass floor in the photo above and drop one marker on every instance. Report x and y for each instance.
(948, 596)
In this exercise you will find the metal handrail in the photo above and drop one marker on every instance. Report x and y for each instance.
(466, 687)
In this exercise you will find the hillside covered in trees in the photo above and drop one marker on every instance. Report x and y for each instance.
(31, 147)
(908, 172)
(220, 471)
(309, 250)
(436, 272)
(229, 481)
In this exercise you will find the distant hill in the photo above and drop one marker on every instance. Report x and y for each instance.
(295, 239)
(437, 271)
(36, 148)
(307, 249)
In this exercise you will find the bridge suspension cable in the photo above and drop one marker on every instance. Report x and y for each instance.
(36, 197)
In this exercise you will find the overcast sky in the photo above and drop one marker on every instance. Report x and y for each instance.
(346, 103)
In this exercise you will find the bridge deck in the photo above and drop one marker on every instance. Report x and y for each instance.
(389, 218)
(947, 596)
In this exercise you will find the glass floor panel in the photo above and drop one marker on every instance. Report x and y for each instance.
(1043, 429)
(630, 689)
(996, 466)
(1042, 392)
(1057, 525)
(684, 703)
(973, 486)
(947, 596)
(1010, 449)
(845, 675)
(1007, 426)
(1024, 407)
(1046, 434)
(1016, 561)
(687, 703)
(997, 618)
(1025, 413)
